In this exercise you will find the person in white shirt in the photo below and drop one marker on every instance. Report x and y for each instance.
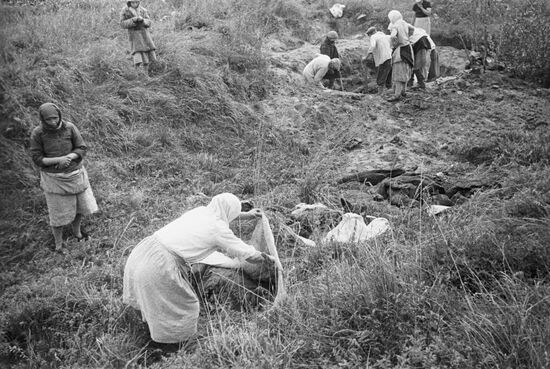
(316, 69)
(380, 48)
(156, 275)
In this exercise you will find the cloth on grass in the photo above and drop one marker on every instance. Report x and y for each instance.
(352, 228)
(337, 10)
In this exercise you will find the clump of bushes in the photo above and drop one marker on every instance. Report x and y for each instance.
(505, 31)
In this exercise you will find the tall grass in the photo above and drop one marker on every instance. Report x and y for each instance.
(433, 292)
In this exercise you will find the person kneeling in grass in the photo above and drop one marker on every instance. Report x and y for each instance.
(58, 149)
(135, 19)
(157, 273)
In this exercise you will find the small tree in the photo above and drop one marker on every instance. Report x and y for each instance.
(525, 46)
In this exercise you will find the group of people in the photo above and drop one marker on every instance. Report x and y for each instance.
(405, 53)
(156, 273)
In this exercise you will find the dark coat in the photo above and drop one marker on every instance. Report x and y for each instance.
(138, 33)
(328, 48)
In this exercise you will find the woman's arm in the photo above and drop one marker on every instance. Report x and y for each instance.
(233, 245)
(146, 19)
(79, 146)
(126, 19)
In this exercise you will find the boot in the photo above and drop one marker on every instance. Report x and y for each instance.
(381, 90)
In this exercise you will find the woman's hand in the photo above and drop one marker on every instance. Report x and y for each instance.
(251, 214)
(64, 161)
(260, 258)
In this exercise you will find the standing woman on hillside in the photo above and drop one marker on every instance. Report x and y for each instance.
(58, 149)
(402, 56)
(422, 11)
(135, 19)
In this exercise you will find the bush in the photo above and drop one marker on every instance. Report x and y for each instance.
(524, 46)
(509, 30)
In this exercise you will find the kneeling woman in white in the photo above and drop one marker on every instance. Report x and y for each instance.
(155, 276)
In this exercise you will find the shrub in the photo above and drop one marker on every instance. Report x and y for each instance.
(521, 47)
(509, 30)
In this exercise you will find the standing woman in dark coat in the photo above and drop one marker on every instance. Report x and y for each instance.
(328, 47)
(135, 19)
(58, 149)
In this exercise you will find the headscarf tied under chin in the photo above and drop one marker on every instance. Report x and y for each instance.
(226, 206)
(394, 16)
(49, 110)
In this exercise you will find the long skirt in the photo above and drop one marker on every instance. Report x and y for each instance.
(156, 283)
(401, 72)
(62, 209)
(424, 23)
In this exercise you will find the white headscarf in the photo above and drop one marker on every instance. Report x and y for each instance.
(394, 16)
(226, 206)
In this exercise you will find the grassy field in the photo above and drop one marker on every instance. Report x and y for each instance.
(465, 290)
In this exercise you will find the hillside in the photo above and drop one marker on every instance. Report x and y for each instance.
(224, 110)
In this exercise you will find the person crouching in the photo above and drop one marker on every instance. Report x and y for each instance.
(315, 70)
